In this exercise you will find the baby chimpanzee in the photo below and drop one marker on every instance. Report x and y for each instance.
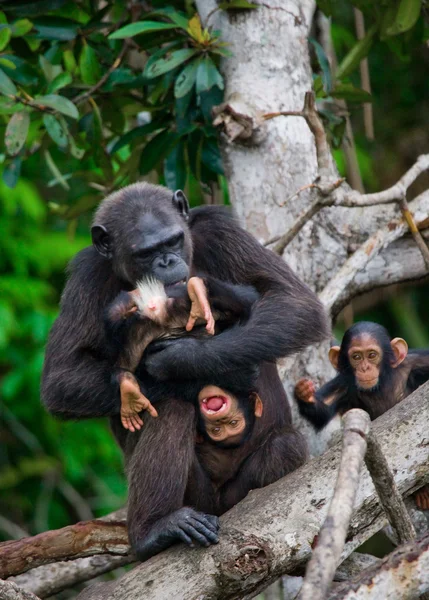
(374, 373)
(134, 319)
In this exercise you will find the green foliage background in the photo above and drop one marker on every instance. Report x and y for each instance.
(93, 98)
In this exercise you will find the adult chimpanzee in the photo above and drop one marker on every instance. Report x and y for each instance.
(145, 230)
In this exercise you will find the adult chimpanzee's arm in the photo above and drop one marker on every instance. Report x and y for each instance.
(78, 379)
(287, 317)
(320, 406)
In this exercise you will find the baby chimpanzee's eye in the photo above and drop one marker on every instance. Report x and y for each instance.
(233, 423)
(216, 430)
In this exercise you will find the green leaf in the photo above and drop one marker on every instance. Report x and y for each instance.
(12, 172)
(137, 133)
(55, 28)
(140, 27)
(164, 65)
(56, 129)
(69, 61)
(59, 103)
(16, 132)
(5, 35)
(208, 76)
(237, 5)
(55, 171)
(324, 64)
(175, 16)
(59, 82)
(7, 86)
(406, 16)
(186, 79)
(50, 71)
(156, 150)
(211, 157)
(21, 27)
(349, 92)
(23, 73)
(89, 64)
(356, 54)
(7, 63)
(175, 168)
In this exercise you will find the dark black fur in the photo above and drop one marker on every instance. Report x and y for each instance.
(164, 469)
(393, 386)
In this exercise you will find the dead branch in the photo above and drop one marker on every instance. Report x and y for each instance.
(75, 541)
(403, 575)
(337, 291)
(10, 591)
(321, 567)
(390, 498)
(364, 76)
(354, 565)
(272, 530)
(51, 579)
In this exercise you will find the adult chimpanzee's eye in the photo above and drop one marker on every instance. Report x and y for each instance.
(176, 240)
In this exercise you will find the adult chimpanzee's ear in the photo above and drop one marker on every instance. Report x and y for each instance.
(180, 203)
(400, 350)
(259, 408)
(101, 240)
(334, 353)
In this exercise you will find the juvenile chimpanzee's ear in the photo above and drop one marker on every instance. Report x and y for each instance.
(259, 407)
(334, 353)
(101, 240)
(180, 203)
(400, 350)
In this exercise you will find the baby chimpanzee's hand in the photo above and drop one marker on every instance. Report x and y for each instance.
(305, 390)
(133, 402)
(200, 308)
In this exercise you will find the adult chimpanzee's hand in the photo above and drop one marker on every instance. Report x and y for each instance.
(167, 359)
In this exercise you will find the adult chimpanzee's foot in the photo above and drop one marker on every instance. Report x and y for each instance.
(186, 525)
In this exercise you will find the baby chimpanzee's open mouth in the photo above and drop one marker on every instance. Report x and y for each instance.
(215, 405)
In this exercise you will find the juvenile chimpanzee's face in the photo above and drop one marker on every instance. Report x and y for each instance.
(365, 356)
(226, 420)
(143, 231)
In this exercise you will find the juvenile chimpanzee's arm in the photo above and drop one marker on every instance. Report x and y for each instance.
(287, 317)
(320, 406)
(229, 298)
(418, 363)
(78, 379)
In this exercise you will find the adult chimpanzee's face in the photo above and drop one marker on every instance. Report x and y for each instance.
(143, 231)
(155, 246)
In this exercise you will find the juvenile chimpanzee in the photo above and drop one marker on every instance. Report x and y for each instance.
(134, 319)
(145, 230)
(374, 373)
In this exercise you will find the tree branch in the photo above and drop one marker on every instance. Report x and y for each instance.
(272, 530)
(330, 544)
(403, 575)
(51, 579)
(10, 591)
(387, 491)
(75, 541)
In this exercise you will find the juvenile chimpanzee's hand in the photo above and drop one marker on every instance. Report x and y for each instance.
(133, 402)
(305, 390)
(184, 525)
(174, 358)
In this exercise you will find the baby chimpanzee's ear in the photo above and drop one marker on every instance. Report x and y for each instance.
(259, 407)
(400, 350)
(334, 354)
